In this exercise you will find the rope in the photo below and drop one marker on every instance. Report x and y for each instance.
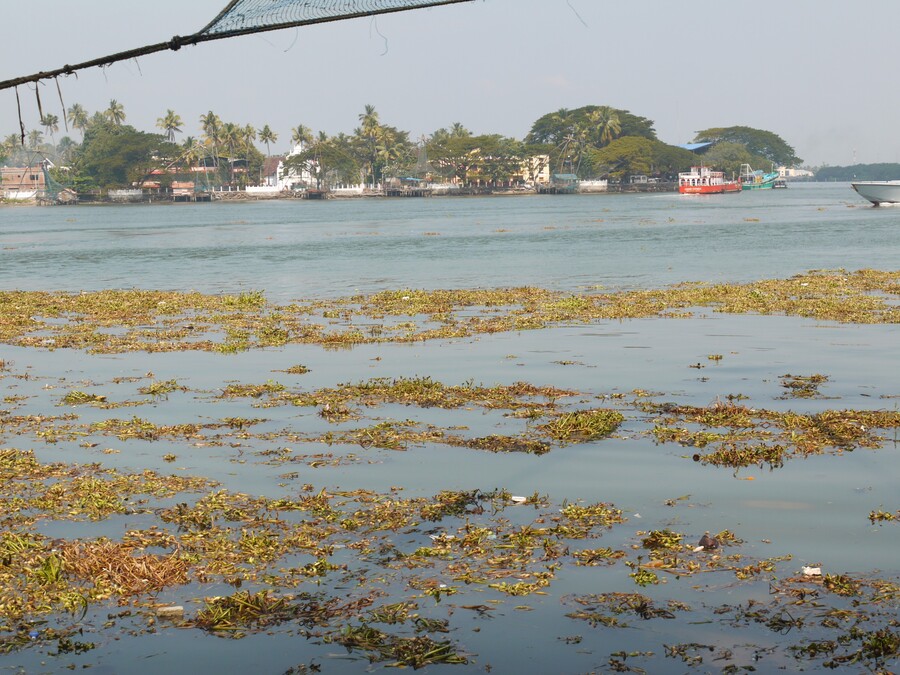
(245, 17)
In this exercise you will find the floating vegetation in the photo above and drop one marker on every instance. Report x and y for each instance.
(613, 609)
(161, 389)
(426, 393)
(799, 386)
(81, 398)
(738, 436)
(883, 516)
(158, 321)
(583, 425)
(383, 572)
(416, 652)
(497, 443)
(356, 547)
(268, 388)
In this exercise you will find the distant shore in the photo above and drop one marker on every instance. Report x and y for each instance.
(288, 195)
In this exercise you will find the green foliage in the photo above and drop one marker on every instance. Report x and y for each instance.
(117, 155)
(328, 160)
(859, 172)
(636, 155)
(728, 157)
(757, 142)
(553, 127)
(574, 135)
(490, 159)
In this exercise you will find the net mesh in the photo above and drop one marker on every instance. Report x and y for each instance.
(244, 16)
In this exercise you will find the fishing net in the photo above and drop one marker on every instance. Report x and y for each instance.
(249, 16)
(243, 17)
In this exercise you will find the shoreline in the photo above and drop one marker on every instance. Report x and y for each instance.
(243, 196)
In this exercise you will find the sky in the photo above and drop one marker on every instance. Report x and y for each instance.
(819, 73)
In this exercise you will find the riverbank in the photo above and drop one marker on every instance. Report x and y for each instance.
(366, 193)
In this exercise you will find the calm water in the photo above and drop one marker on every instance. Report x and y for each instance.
(300, 249)
(814, 510)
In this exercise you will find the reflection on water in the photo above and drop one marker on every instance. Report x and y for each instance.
(813, 510)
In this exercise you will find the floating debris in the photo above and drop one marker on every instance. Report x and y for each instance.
(707, 543)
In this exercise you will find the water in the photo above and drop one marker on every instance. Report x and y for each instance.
(296, 249)
(814, 510)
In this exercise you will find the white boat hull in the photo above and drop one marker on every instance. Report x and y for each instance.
(879, 191)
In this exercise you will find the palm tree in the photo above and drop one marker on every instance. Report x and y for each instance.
(115, 113)
(369, 134)
(369, 118)
(171, 124)
(212, 129)
(457, 130)
(65, 148)
(266, 135)
(231, 138)
(35, 138)
(50, 122)
(605, 121)
(248, 135)
(300, 135)
(10, 144)
(77, 117)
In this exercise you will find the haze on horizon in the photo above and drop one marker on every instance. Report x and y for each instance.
(807, 71)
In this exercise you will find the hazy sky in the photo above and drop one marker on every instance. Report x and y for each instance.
(820, 73)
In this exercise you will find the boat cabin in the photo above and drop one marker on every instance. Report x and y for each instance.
(701, 176)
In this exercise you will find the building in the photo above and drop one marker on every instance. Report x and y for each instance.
(22, 178)
(801, 174)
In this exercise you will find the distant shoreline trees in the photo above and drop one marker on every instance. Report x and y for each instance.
(592, 142)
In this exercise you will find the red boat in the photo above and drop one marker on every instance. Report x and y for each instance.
(701, 180)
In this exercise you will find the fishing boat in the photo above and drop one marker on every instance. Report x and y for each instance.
(701, 180)
(757, 180)
(879, 191)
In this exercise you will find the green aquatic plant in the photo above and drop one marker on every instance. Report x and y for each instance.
(161, 389)
(800, 386)
(268, 388)
(662, 539)
(157, 321)
(583, 425)
(416, 652)
(81, 398)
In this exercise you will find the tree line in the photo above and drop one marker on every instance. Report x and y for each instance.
(590, 142)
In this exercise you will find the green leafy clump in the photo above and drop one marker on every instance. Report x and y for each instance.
(583, 425)
(80, 398)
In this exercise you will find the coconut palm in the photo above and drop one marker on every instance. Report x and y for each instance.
(369, 118)
(301, 135)
(266, 135)
(115, 113)
(231, 139)
(10, 144)
(77, 117)
(248, 135)
(457, 130)
(605, 122)
(65, 148)
(190, 151)
(171, 124)
(212, 129)
(369, 135)
(35, 138)
(50, 122)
